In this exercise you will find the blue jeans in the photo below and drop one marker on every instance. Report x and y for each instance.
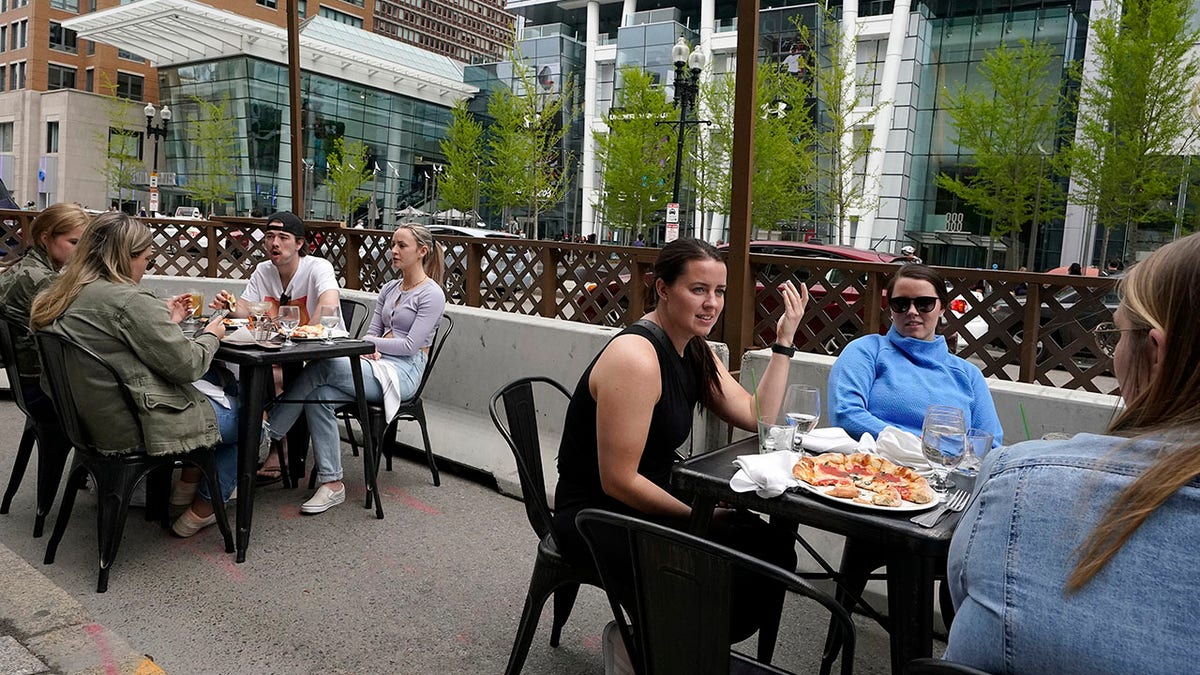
(330, 385)
(225, 451)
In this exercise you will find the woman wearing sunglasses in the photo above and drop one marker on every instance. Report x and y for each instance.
(889, 380)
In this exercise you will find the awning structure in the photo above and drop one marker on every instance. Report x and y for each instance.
(176, 32)
(968, 239)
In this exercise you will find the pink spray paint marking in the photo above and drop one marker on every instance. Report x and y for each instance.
(222, 562)
(107, 662)
(408, 500)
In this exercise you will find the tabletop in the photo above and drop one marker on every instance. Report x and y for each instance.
(708, 476)
(304, 350)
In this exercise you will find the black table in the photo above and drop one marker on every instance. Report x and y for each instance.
(256, 380)
(912, 553)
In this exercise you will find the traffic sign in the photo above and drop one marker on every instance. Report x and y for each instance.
(673, 214)
(154, 179)
(154, 201)
(672, 232)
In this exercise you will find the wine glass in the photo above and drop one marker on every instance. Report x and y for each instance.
(289, 319)
(257, 309)
(802, 406)
(330, 316)
(943, 441)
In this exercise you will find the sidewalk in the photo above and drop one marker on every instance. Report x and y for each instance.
(44, 630)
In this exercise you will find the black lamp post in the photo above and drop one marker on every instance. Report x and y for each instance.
(157, 133)
(687, 85)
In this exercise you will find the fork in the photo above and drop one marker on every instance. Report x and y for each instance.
(955, 502)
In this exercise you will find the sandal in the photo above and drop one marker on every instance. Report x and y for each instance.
(268, 475)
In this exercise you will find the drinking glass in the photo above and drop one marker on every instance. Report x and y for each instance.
(195, 305)
(330, 316)
(289, 319)
(979, 442)
(802, 406)
(257, 309)
(943, 441)
(775, 433)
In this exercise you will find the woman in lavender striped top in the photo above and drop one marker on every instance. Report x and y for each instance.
(402, 328)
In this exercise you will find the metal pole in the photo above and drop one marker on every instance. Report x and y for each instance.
(296, 116)
(681, 101)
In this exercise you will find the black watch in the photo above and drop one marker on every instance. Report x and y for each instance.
(786, 351)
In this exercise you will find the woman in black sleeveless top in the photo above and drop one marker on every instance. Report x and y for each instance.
(633, 407)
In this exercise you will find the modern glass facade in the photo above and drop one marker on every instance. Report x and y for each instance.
(401, 133)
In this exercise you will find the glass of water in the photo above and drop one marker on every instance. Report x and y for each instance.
(330, 316)
(943, 441)
(289, 319)
(802, 406)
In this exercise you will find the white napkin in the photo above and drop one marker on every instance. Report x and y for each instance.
(242, 336)
(769, 475)
(829, 439)
(903, 448)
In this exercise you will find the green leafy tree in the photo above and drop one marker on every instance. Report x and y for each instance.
(1006, 125)
(839, 149)
(347, 173)
(121, 163)
(635, 153)
(213, 134)
(713, 157)
(463, 147)
(510, 152)
(1135, 112)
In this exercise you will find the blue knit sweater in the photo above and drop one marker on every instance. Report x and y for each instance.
(882, 380)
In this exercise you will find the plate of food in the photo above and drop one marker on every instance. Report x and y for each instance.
(232, 324)
(317, 333)
(866, 481)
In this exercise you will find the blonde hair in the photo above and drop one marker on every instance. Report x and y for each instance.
(105, 252)
(1161, 293)
(434, 261)
(54, 221)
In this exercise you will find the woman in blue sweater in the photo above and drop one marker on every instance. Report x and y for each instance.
(889, 380)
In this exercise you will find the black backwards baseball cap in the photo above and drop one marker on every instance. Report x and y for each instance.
(287, 222)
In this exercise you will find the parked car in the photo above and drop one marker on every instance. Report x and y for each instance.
(497, 280)
(1065, 319)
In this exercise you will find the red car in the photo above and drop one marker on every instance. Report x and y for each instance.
(593, 303)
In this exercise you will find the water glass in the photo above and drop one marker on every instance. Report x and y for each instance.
(802, 407)
(978, 444)
(329, 316)
(289, 319)
(775, 433)
(943, 442)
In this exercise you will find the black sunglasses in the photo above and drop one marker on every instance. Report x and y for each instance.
(925, 304)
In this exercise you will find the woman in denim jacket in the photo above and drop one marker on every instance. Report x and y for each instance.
(1079, 556)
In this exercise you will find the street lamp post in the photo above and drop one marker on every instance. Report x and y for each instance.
(687, 86)
(157, 133)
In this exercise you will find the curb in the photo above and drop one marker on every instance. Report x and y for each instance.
(44, 630)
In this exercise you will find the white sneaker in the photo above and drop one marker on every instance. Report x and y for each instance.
(612, 647)
(323, 500)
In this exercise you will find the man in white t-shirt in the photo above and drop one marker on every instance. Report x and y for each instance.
(291, 276)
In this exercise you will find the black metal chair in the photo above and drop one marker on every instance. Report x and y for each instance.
(939, 667)
(677, 590)
(52, 450)
(552, 573)
(115, 476)
(412, 410)
(356, 315)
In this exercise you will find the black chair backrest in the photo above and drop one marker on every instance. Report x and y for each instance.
(679, 591)
(9, 330)
(445, 327)
(356, 315)
(520, 430)
(67, 375)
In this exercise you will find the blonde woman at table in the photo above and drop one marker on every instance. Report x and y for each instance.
(97, 301)
(1079, 556)
(406, 317)
(633, 407)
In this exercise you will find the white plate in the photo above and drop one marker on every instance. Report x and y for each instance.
(903, 508)
(333, 332)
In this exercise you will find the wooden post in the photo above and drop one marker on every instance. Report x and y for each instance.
(1031, 332)
(296, 115)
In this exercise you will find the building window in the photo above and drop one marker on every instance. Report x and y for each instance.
(89, 79)
(130, 86)
(341, 17)
(51, 138)
(6, 136)
(354, 2)
(129, 56)
(18, 34)
(69, 5)
(269, 4)
(16, 75)
(59, 77)
(62, 39)
(3, 77)
(3, 37)
(302, 8)
(124, 144)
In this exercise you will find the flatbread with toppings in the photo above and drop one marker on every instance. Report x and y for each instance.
(864, 478)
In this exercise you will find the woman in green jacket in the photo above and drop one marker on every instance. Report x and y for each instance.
(97, 302)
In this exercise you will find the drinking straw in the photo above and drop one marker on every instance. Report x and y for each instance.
(1025, 422)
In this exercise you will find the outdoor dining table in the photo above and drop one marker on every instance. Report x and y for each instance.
(256, 378)
(913, 554)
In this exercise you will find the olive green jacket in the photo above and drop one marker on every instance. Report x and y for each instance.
(132, 330)
(19, 284)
